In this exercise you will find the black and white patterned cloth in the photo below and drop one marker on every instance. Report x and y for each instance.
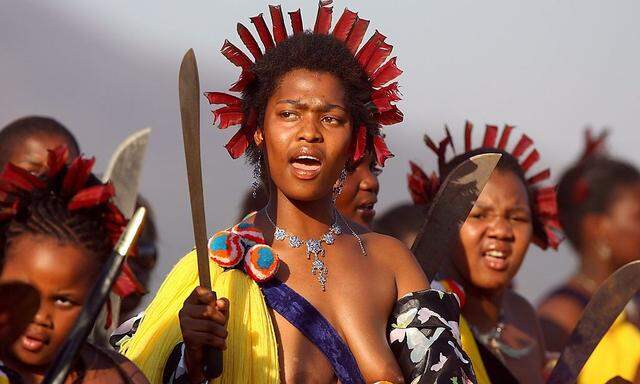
(424, 336)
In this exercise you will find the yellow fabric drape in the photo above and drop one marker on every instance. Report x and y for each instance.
(252, 351)
(471, 348)
(618, 353)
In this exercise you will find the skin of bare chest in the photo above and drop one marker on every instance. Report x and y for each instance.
(358, 300)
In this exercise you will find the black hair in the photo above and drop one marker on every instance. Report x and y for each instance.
(45, 212)
(33, 126)
(591, 186)
(314, 52)
(507, 163)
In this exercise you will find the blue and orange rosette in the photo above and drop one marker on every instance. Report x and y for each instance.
(243, 247)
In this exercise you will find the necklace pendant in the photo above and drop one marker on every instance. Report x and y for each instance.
(336, 229)
(320, 270)
(279, 234)
(314, 247)
(294, 241)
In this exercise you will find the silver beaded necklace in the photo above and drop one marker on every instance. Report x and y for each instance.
(315, 246)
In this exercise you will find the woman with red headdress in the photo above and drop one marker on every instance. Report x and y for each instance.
(599, 209)
(307, 295)
(498, 327)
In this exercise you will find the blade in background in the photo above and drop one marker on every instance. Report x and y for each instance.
(124, 170)
(450, 209)
(189, 91)
(603, 309)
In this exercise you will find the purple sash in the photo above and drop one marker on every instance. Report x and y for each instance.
(304, 316)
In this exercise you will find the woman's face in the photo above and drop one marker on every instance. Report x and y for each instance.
(63, 274)
(360, 192)
(622, 225)
(497, 233)
(306, 134)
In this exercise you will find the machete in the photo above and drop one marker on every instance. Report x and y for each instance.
(449, 209)
(598, 316)
(61, 366)
(189, 91)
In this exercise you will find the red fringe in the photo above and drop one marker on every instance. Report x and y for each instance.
(245, 78)
(222, 98)
(228, 116)
(533, 158)
(391, 116)
(504, 138)
(357, 34)
(19, 178)
(386, 73)
(344, 25)
(91, 196)
(360, 143)
(77, 175)
(56, 159)
(379, 55)
(277, 20)
(593, 145)
(296, 22)
(389, 92)
(381, 149)
(540, 176)
(430, 144)
(323, 19)
(468, 127)
(422, 188)
(490, 135)
(240, 141)
(127, 283)
(263, 32)
(364, 54)
(236, 56)
(448, 136)
(249, 41)
(524, 143)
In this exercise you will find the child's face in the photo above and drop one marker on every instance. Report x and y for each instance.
(64, 275)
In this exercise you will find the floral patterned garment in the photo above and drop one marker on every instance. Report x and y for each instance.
(424, 336)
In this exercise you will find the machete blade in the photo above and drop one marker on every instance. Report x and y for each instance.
(603, 309)
(450, 209)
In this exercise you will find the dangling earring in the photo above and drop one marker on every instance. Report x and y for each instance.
(604, 251)
(337, 190)
(257, 182)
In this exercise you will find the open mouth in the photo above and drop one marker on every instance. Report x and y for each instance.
(496, 259)
(34, 341)
(306, 165)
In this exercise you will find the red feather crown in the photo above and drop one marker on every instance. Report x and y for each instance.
(423, 187)
(18, 188)
(350, 29)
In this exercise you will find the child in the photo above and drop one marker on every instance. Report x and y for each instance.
(56, 232)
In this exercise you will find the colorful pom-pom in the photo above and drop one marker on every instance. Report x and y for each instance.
(261, 263)
(225, 249)
(248, 232)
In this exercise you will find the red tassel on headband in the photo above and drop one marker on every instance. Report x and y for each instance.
(351, 29)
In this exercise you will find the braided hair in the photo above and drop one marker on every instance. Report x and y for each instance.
(68, 204)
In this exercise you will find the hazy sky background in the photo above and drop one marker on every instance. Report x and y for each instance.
(107, 68)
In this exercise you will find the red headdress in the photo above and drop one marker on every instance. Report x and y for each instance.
(19, 188)
(423, 187)
(350, 29)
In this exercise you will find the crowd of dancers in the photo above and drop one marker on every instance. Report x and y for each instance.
(310, 285)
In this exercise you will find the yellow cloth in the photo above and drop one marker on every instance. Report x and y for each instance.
(252, 353)
(471, 348)
(618, 353)
(466, 336)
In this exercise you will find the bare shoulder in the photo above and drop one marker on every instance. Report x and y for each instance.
(394, 255)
